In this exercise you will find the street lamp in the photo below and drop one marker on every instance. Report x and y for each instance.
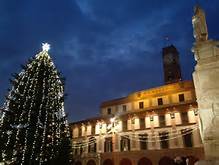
(113, 126)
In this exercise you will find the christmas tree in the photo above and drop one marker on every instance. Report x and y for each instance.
(33, 125)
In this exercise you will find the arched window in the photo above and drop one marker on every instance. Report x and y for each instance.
(92, 145)
(108, 145)
(79, 149)
(187, 137)
(125, 143)
(164, 143)
(143, 141)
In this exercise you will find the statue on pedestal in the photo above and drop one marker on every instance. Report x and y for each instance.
(200, 31)
(206, 82)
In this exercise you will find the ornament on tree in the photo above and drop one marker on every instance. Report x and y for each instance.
(19, 126)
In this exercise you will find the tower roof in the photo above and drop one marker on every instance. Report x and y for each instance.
(169, 49)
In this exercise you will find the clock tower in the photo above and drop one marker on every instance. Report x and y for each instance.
(171, 65)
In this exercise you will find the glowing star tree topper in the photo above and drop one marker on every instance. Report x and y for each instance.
(45, 47)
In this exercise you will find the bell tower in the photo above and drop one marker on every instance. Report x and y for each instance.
(171, 65)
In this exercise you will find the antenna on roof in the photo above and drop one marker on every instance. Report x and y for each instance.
(167, 40)
(197, 3)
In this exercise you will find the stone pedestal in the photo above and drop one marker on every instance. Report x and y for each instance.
(206, 80)
(207, 162)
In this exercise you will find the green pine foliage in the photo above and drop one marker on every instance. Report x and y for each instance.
(33, 125)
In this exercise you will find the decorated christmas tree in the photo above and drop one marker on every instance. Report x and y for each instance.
(33, 125)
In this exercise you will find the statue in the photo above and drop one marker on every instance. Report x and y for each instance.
(200, 31)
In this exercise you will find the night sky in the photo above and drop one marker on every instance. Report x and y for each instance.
(105, 49)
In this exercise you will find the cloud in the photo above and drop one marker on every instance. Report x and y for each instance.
(105, 49)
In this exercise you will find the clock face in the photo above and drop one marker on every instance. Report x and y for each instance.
(168, 58)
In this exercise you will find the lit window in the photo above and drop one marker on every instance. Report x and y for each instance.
(164, 140)
(92, 145)
(162, 121)
(187, 137)
(125, 144)
(172, 115)
(181, 98)
(80, 131)
(143, 138)
(184, 117)
(79, 149)
(160, 101)
(133, 120)
(93, 129)
(142, 123)
(124, 125)
(108, 145)
(109, 111)
(141, 105)
(195, 112)
(151, 118)
(124, 108)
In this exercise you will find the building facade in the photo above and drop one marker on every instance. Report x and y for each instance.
(157, 126)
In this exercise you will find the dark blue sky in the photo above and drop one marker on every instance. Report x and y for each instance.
(105, 48)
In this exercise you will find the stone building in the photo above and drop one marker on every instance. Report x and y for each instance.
(156, 126)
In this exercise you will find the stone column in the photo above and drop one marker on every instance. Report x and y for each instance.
(115, 139)
(206, 80)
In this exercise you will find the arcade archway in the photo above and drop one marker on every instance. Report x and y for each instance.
(166, 161)
(108, 162)
(144, 161)
(91, 162)
(192, 160)
(78, 163)
(125, 161)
